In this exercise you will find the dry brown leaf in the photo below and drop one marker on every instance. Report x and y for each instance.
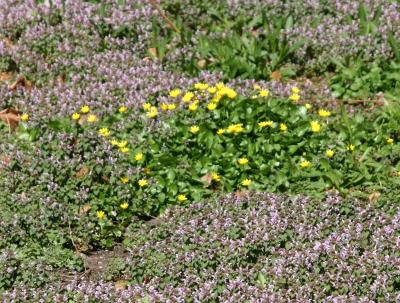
(241, 193)
(207, 179)
(120, 285)
(153, 52)
(83, 171)
(201, 63)
(21, 80)
(5, 76)
(276, 75)
(10, 117)
(374, 196)
(84, 209)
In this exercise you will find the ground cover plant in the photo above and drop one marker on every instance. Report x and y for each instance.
(205, 151)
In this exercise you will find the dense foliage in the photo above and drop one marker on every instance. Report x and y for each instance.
(181, 112)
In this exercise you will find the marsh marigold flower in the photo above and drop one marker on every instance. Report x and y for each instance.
(194, 129)
(187, 97)
(243, 161)
(85, 109)
(201, 86)
(308, 106)
(390, 141)
(175, 92)
(193, 107)
(25, 117)
(294, 97)
(350, 147)
(329, 153)
(305, 164)
(152, 112)
(124, 180)
(92, 118)
(146, 106)
(142, 182)
(100, 214)
(283, 127)
(265, 123)
(221, 131)
(295, 90)
(315, 126)
(182, 198)
(139, 157)
(75, 116)
(235, 128)
(212, 90)
(264, 93)
(171, 106)
(124, 205)
(324, 113)
(215, 176)
(104, 132)
(122, 109)
(246, 182)
(211, 106)
(124, 149)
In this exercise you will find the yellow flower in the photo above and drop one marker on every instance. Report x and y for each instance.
(243, 161)
(294, 97)
(329, 153)
(211, 106)
(350, 147)
(193, 107)
(124, 180)
(215, 176)
(220, 85)
(390, 141)
(201, 86)
(194, 129)
(104, 132)
(164, 106)
(265, 123)
(175, 92)
(92, 118)
(256, 86)
(305, 164)
(324, 113)
(122, 144)
(146, 106)
(221, 131)
(308, 106)
(283, 127)
(142, 182)
(25, 117)
(212, 90)
(124, 150)
(235, 128)
(152, 112)
(124, 205)
(122, 109)
(315, 126)
(114, 142)
(85, 109)
(295, 90)
(182, 198)
(246, 182)
(75, 116)
(139, 157)
(231, 93)
(264, 93)
(171, 106)
(187, 97)
(100, 214)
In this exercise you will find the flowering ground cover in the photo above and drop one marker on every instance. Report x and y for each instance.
(203, 151)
